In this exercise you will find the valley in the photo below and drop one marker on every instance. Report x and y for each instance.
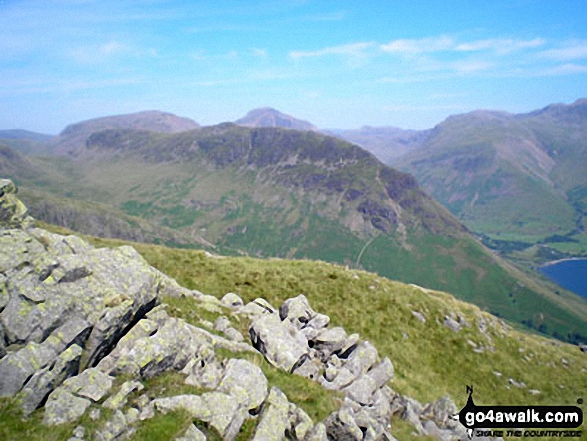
(275, 192)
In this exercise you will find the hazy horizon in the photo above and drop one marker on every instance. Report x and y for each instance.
(336, 64)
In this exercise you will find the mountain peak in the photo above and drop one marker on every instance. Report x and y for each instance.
(270, 117)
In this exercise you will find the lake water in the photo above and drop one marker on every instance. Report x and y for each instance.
(570, 274)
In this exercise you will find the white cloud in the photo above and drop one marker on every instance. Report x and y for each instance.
(418, 46)
(352, 49)
(424, 108)
(499, 45)
(564, 69)
(470, 66)
(257, 52)
(112, 47)
(574, 51)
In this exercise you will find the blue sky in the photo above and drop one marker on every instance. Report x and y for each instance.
(338, 64)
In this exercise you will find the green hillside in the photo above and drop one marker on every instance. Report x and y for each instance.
(271, 192)
(430, 360)
(518, 180)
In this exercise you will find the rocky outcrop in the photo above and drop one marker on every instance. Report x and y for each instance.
(83, 331)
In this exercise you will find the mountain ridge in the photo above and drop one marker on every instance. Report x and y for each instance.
(298, 194)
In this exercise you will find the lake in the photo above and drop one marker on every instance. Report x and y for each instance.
(570, 274)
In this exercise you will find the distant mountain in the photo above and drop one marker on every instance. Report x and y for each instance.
(274, 192)
(268, 117)
(75, 135)
(25, 134)
(517, 179)
(386, 143)
(25, 141)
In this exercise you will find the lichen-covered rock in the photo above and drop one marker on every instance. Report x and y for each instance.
(64, 407)
(241, 377)
(194, 405)
(341, 426)
(227, 414)
(192, 434)
(13, 213)
(274, 419)
(17, 367)
(172, 346)
(118, 400)
(256, 308)
(44, 381)
(280, 342)
(114, 428)
(232, 301)
(91, 383)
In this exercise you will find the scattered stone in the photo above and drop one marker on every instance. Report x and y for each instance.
(419, 316)
(232, 301)
(79, 432)
(515, 383)
(451, 324)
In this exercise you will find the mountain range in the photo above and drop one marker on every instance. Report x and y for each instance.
(517, 180)
(273, 192)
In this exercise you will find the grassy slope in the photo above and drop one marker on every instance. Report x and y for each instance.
(242, 216)
(429, 359)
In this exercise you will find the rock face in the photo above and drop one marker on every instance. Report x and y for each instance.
(83, 330)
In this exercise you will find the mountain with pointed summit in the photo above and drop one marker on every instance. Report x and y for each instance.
(269, 117)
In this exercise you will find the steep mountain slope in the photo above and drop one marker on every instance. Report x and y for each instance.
(74, 136)
(269, 117)
(516, 178)
(119, 349)
(386, 143)
(286, 193)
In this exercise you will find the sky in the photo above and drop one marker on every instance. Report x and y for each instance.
(338, 64)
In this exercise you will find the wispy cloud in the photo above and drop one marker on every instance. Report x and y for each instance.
(418, 46)
(576, 50)
(258, 52)
(111, 50)
(352, 49)
(500, 45)
(449, 43)
(422, 108)
(563, 69)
